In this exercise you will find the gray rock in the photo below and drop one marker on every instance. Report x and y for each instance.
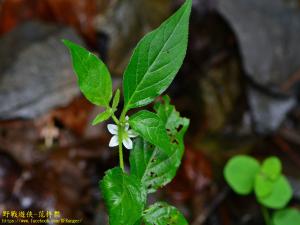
(295, 183)
(268, 33)
(35, 70)
(268, 112)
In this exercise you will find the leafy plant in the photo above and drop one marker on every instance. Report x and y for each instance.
(288, 216)
(158, 148)
(245, 174)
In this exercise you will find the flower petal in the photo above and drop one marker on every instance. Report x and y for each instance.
(127, 143)
(112, 128)
(126, 126)
(126, 123)
(132, 134)
(114, 141)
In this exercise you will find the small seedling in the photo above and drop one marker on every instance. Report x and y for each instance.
(245, 174)
(158, 146)
(287, 216)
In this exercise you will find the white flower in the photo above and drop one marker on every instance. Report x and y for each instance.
(126, 135)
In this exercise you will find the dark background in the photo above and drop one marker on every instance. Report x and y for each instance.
(239, 85)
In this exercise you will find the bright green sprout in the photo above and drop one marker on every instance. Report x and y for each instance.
(245, 174)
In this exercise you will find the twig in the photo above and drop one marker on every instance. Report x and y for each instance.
(284, 146)
(202, 217)
(290, 135)
(287, 85)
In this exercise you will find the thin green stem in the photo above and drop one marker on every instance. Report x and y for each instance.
(120, 138)
(266, 215)
(115, 119)
(121, 126)
(123, 114)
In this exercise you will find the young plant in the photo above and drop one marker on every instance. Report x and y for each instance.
(245, 174)
(158, 148)
(288, 216)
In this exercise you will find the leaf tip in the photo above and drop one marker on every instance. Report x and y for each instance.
(188, 4)
(67, 43)
(95, 122)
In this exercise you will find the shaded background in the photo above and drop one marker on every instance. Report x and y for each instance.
(239, 85)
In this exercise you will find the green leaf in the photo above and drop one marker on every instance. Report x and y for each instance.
(263, 185)
(154, 167)
(116, 100)
(171, 118)
(240, 172)
(124, 196)
(287, 217)
(280, 196)
(149, 126)
(139, 222)
(271, 167)
(93, 76)
(163, 214)
(102, 116)
(156, 60)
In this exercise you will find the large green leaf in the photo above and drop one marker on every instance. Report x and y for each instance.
(124, 196)
(263, 185)
(163, 214)
(154, 167)
(149, 126)
(280, 196)
(287, 217)
(175, 125)
(240, 173)
(156, 60)
(271, 168)
(266, 179)
(93, 76)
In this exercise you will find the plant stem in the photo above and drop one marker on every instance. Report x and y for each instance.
(266, 215)
(121, 157)
(120, 138)
(115, 119)
(123, 114)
